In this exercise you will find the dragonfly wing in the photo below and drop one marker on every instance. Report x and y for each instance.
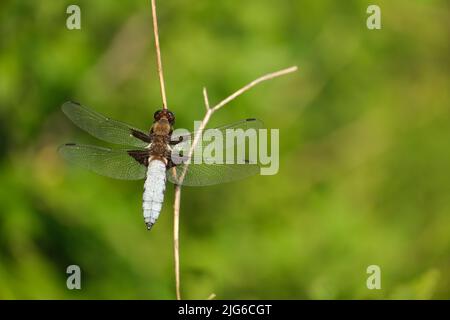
(113, 163)
(210, 174)
(104, 128)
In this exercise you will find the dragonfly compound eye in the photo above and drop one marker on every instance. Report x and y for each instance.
(170, 117)
(157, 115)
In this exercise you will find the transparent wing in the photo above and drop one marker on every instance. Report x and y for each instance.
(102, 127)
(117, 164)
(184, 141)
(210, 174)
(216, 170)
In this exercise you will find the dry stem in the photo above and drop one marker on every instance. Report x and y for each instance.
(208, 114)
(210, 111)
(176, 232)
(158, 55)
(252, 84)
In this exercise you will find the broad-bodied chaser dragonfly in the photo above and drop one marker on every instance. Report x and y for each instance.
(149, 156)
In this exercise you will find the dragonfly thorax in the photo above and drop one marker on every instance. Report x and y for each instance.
(162, 127)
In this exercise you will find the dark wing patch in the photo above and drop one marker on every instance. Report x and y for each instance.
(140, 156)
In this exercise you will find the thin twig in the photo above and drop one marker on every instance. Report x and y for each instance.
(212, 296)
(210, 111)
(205, 97)
(158, 55)
(208, 114)
(252, 84)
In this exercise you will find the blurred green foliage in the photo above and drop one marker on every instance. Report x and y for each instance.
(364, 131)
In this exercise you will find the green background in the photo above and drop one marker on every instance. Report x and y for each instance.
(364, 149)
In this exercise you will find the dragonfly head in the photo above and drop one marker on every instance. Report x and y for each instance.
(164, 114)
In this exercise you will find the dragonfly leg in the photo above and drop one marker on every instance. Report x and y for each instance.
(175, 142)
(141, 136)
(174, 159)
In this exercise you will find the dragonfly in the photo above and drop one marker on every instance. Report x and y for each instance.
(156, 156)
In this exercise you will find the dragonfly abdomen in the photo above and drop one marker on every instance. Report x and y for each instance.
(154, 187)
